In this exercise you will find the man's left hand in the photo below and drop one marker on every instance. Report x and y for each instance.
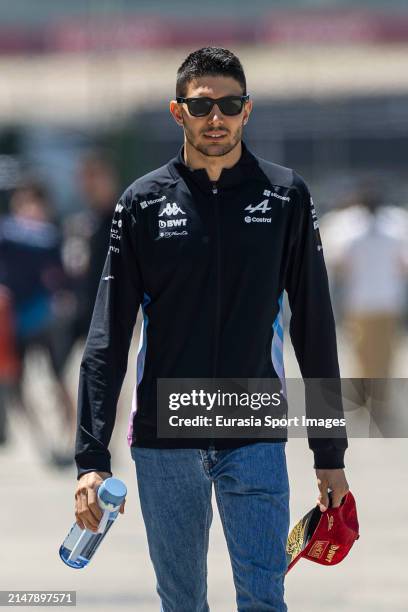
(334, 480)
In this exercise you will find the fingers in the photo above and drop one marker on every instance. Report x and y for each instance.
(84, 512)
(335, 481)
(338, 494)
(93, 505)
(78, 510)
(336, 499)
(87, 511)
(79, 522)
(323, 497)
(122, 508)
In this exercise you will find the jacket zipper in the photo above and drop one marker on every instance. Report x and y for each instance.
(218, 289)
(218, 273)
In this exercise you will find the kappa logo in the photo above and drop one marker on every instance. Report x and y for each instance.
(171, 210)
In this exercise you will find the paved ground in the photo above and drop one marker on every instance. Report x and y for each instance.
(37, 510)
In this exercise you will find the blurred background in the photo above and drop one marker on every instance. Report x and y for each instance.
(84, 98)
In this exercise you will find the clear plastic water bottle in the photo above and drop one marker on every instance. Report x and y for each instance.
(80, 545)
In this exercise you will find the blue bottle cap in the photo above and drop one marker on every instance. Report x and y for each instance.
(112, 491)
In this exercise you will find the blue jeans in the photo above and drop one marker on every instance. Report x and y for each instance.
(252, 492)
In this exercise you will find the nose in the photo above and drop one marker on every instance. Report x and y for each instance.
(215, 115)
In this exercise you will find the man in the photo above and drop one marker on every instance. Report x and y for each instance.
(32, 271)
(368, 256)
(87, 234)
(211, 294)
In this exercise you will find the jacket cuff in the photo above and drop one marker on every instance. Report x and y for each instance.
(82, 472)
(329, 459)
(92, 463)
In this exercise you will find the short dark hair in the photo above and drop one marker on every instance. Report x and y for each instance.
(214, 61)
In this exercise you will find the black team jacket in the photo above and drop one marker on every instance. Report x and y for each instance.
(208, 264)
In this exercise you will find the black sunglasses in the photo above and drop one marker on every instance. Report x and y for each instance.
(200, 107)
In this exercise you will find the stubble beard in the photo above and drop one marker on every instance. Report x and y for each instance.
(208, 150)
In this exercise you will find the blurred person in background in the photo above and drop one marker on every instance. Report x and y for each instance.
(206, 244)
(86, 234)
(9, 362)
(367, 250)
(31, 270)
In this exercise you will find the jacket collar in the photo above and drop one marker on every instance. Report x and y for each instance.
(229, 176)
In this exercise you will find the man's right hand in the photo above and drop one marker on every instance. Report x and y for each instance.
(87, 511)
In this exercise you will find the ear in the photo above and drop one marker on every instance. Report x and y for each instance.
(175, 110)
(247, 111)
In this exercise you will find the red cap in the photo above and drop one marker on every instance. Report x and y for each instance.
(324, 537)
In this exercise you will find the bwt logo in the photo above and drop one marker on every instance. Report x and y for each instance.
(171, 210)
(173, 223)
(332, 551)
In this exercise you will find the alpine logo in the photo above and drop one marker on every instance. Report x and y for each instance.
(171, 210)
(261, 207)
